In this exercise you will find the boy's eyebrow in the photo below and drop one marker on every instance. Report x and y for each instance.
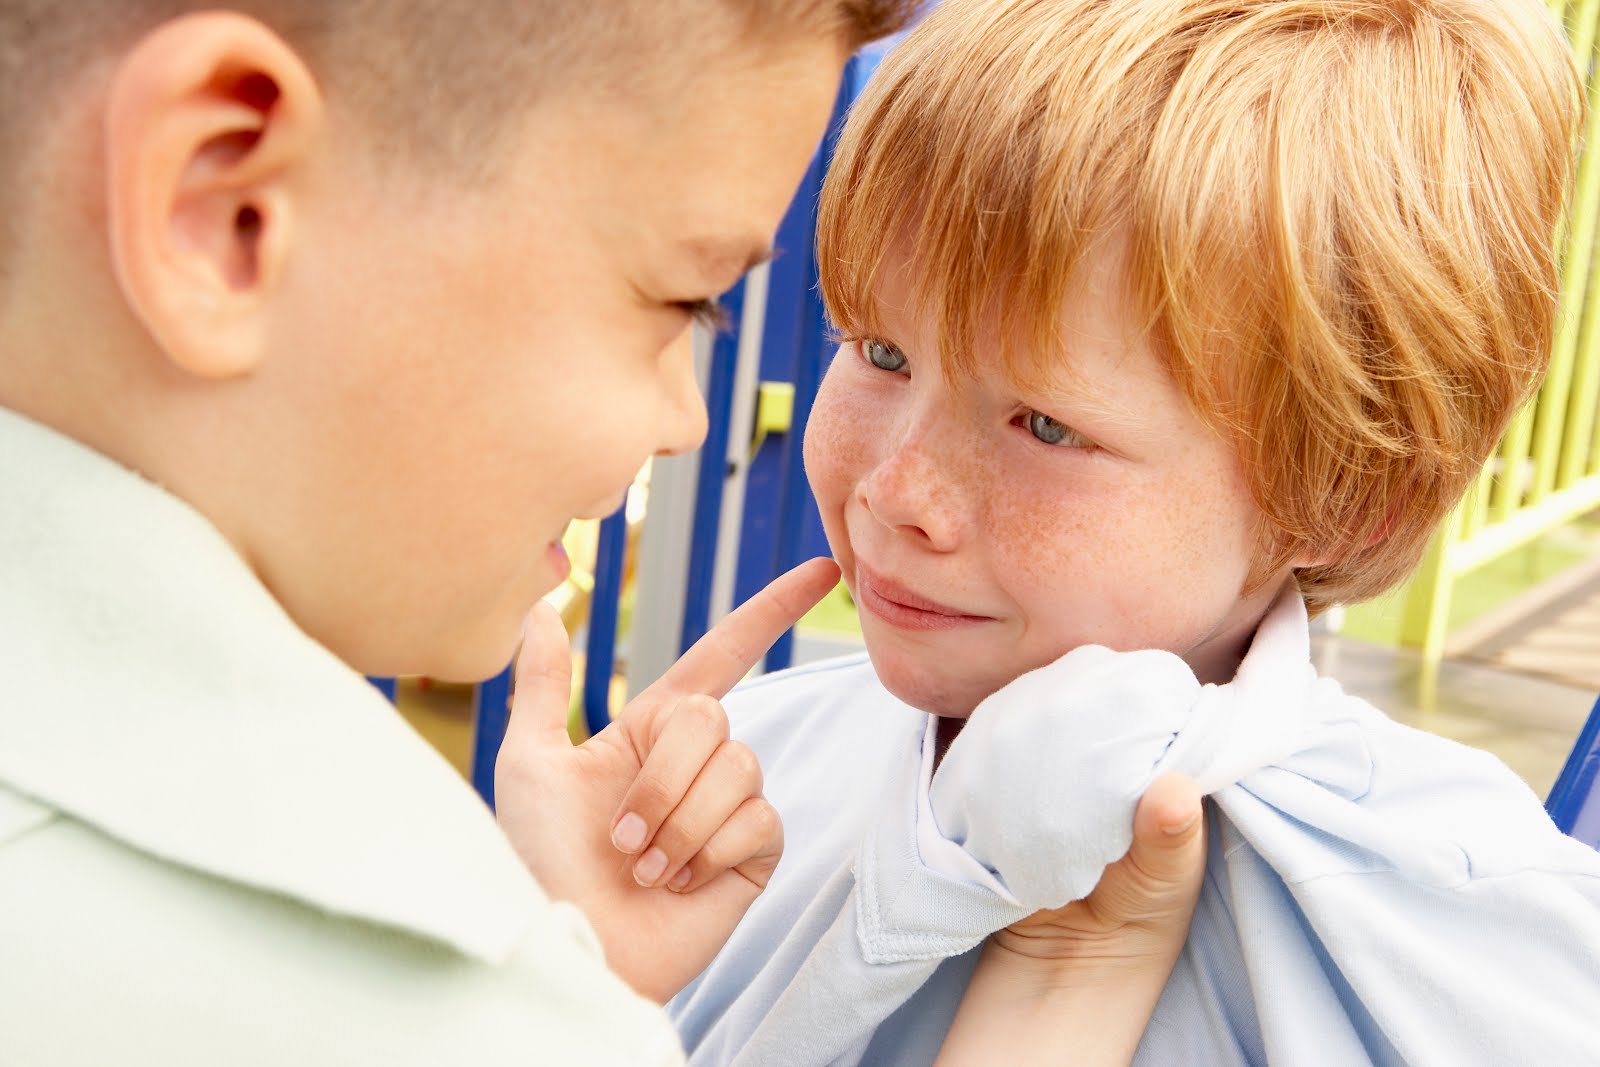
(726, 258)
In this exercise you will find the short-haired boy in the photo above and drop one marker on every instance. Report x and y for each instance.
(1167, 320)
(319, 321)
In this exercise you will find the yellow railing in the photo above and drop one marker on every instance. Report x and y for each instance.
(1546, 471)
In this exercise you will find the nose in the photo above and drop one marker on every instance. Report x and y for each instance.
(918, 492)
(683, 416)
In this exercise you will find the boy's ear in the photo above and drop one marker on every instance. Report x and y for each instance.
(208, 122)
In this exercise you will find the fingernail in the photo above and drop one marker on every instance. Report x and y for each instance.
(1177, 829)
(628, 835)
(679, 880)
(651, 866)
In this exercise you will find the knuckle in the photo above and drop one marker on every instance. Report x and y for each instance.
(677, 842)
(726, 644)
(713, 859)
(759, 865)
(650, 798)
(759, 868)
(764, 820)
(744, 764)
(706, 713)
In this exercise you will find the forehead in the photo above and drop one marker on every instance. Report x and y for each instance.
(699, 172)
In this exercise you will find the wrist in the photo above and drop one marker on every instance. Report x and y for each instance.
(1084, 969)
(1074, 960)
(1038, 1007)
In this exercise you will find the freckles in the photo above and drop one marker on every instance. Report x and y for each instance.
(838, 450)
(970, 476)
(1219, 537)
(830, 438)
(1040, 537)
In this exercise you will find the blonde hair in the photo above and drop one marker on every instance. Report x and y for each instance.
(1342, 217)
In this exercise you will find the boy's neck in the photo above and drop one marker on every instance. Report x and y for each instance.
(1215, 659)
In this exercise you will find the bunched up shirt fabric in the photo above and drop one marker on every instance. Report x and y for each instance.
(1373, 894)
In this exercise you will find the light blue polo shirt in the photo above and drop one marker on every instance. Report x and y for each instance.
(1374, 894)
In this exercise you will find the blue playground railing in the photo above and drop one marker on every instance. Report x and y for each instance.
(781, 527)
(1574, 801)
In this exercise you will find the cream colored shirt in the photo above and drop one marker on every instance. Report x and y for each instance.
(219, 845)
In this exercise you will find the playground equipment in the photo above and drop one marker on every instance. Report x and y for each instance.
(1546, 471)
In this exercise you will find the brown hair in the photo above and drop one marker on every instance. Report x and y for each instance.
(437, 80)
(430, 82)
(1342, 217)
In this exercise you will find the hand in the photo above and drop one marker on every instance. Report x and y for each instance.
(656, 826)
(1078, 984)
(1139, 912)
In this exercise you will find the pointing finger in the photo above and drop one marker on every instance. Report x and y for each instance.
(721, 659)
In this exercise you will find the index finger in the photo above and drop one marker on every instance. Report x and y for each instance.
(721, 659)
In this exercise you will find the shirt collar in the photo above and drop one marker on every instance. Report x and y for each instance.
(156, 690)
(1272, 709)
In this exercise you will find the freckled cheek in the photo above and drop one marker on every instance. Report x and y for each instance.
(1096, 563)
(838, 442)
(1234, 545)
(1045, 536)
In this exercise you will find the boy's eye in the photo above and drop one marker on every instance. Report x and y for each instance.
(883, 355)
(708, 313)
(1052, 432)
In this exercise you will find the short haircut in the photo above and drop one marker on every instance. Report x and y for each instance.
(433, 81)
(1342, 218)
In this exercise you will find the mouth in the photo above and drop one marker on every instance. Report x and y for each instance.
(902, 607)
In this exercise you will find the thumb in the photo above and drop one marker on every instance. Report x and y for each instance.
(1169, 835)
(543, 681)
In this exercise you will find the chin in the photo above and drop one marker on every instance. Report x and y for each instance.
(470, 666)
(465, 664)
(473, 653)
(924, 690)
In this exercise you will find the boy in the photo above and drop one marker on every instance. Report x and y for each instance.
(1166, 320)
(318, 323)
(314, 318)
